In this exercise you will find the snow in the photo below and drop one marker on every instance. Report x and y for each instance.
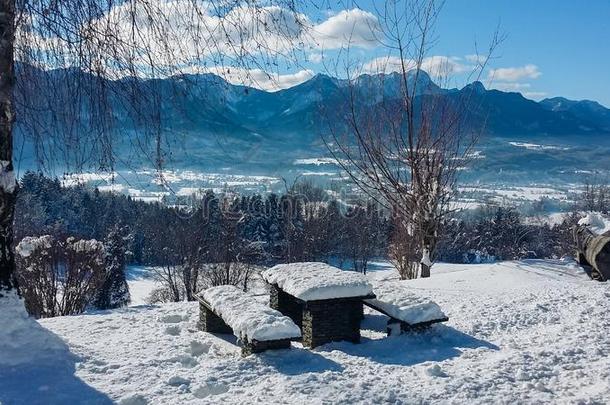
(142, 280)
(404, 303)
(596, 222)
(530, 193)
(249, 319)
(518, 332)
(75, 179)
(317, 281)
(20, 334)
(83, 245)
(317, 161)
(36, 365)
(425, 259)
(7, 177)
(29, 244)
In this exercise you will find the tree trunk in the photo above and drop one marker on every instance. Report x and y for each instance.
(593, 250)
(425, 270)
(8, 189)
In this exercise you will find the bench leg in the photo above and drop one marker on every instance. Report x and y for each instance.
(331, 321)
(286, 304)
(210, 322)
(397, 327)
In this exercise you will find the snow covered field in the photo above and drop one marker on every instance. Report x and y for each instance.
(519, 332)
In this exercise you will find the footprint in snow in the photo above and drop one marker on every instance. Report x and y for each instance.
(175, 318)
(136, 399)
(173, 330)
(198, 348)
(210, 389)
(186, 360)
(177, 381)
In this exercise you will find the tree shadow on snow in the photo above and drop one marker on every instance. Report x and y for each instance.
(297, 360)
(49, 377)
(439, 343)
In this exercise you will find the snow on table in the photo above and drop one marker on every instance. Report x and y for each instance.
(249, 318)
(404, 304)
(311, 281)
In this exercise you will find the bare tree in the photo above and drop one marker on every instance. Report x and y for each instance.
(401, 139)
(82, 61)
(595, 196)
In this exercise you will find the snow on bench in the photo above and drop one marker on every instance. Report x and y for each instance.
(404, 306)
(311, 281)
(227, 309)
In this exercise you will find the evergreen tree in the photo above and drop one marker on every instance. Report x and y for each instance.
(114, 292)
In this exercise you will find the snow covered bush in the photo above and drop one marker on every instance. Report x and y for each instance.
(59, 277)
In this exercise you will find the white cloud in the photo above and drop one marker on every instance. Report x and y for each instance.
(523, 88)
(436, 66)
(277, 81)
(510, 86)
(179, 34)
(315, 57)
(182, 31)
(478, 59)
(514, 74)
(536, 95)
(258, 78)
(353, 27)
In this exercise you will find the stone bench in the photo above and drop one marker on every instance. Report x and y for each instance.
(227, 309)
(408, 311)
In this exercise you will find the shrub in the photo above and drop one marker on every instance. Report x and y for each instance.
(59, 277)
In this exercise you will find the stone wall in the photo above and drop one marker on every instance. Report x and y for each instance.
(286, 304)
(210, 322)
(327, 321)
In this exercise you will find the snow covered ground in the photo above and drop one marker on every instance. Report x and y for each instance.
(142, 280)
(519, 332)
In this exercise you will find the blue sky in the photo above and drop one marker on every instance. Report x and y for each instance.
(565, 44)
(569, 41)
(552, 48)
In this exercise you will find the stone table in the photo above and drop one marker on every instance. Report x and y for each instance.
(324, 301)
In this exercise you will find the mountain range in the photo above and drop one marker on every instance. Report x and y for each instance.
(216, 124)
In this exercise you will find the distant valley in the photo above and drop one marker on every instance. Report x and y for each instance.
(224, 135)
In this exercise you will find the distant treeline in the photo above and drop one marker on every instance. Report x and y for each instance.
(211, 228)
(303, 224)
